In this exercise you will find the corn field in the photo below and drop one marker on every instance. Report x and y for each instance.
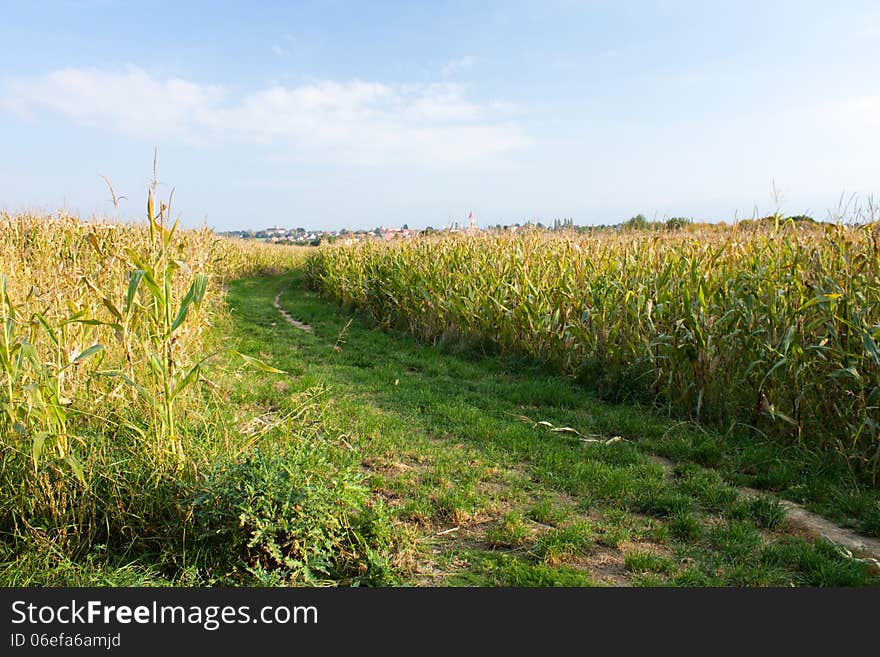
(773, 325)
(107, 330)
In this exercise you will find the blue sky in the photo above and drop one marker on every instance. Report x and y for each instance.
(350, 114)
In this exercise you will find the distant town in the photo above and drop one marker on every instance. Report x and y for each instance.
(309, 237)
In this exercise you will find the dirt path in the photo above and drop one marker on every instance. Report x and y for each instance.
(288, 317)
(850, 543)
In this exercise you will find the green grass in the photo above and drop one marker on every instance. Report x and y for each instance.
(506, 570)
(647, 562)
(512, 531)
(481, 494)
(54, 568)
(559, 545)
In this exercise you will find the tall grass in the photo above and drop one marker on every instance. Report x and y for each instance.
(774, 325)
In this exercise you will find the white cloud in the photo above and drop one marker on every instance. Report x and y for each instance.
(361, 122)
(279, 50)
(132, 102)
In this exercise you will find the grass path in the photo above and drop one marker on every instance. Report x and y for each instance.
(497, 472)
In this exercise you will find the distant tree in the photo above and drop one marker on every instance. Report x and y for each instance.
(675, 223)
(636, 223)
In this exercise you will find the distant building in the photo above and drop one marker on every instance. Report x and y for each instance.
(472, 225)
